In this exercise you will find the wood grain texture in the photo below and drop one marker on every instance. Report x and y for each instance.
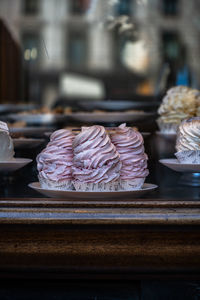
(139, 237)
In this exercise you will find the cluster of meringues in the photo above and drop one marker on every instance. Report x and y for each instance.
(93, 160)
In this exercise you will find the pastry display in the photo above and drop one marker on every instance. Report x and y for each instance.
(188, 141)
(54, 163)
(130, 145)
(179, 103)
(96, 163)
(6, 148)
(98, 111)
(111, 117)
(94, 159)
(41, 116)
(47, 110)
(12, 127)
(18, 124)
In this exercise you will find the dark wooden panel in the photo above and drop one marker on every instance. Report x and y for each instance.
(99, 249)
(62, 290)
(126, 203)
(10, 66)
(133, 239)
(101, 290)
(173, 290)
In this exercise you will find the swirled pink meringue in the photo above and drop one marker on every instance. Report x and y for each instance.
(55, 161)
(95, 157)
(129, 144)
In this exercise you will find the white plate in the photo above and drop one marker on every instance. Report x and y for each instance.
(122, 195)
(117, 105)
(30, 131)
(23, 107)
(9, 108)
(38, 118)
(6, 108)
(13, 165)
(111, 117)
(173, 164)
(27, 143)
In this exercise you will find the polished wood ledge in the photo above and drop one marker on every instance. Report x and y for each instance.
(139, 238)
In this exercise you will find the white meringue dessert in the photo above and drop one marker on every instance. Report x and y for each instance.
(6, 143)
(188, 141)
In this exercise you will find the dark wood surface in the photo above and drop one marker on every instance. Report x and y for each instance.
(135, 211)
(138, 238)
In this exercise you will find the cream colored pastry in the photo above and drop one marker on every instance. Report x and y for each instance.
(6, 143)
(179, 103)
(188, 137)
(188, 141)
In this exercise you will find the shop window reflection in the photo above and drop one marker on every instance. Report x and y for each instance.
(30, 43)
(77, 48)
(124, 7)
(171, 46)
(120, 44)
(79, 7)
(176, 56)
(170, 7)
(30, 7)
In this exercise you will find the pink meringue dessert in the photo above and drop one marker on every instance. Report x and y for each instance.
(96, 163)
(54, 163)
(130, 145)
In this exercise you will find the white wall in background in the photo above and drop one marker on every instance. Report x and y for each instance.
(53, 14)
(100, 45)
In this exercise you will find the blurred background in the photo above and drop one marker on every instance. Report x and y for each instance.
(67, 50)
(68, 63)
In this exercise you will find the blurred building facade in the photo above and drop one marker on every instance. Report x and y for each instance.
(56, 36)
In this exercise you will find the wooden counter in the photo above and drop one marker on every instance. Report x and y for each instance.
(116, 239)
